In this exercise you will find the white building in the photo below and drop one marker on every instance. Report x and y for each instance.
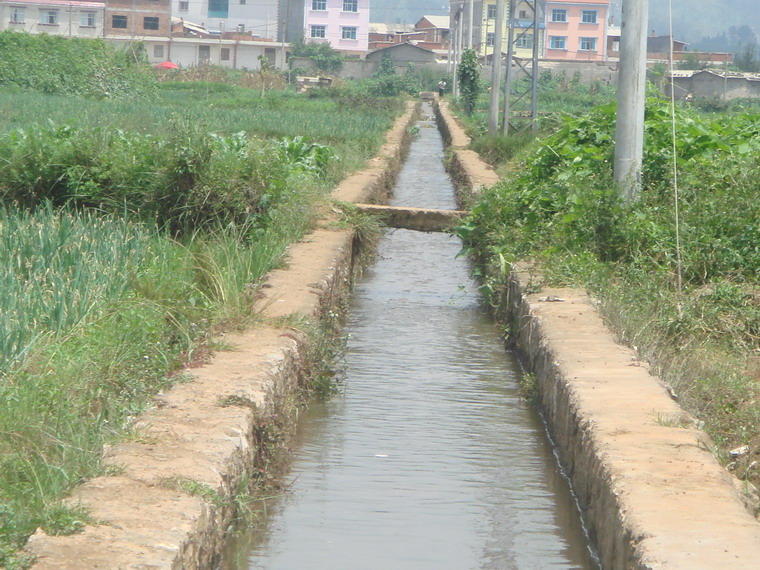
(69, 18)
(258, 17)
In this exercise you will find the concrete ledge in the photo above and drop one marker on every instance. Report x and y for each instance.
(207, 431)
(465, 166)
(652, 494)
(420, 219)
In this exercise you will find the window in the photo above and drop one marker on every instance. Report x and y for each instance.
(218, 8)
(318, 5)
(525, 41)
(150, 23)
(158, 51)
(490, 39)
(348, 33)
(491, 11)
(588, 44)
(557, 42)
(184, 5)
(523, 15)
(225, 54)
(319, 31)
(588, 17)
(17, 16)
(350, 5)
(204, 53)
(50, 18)
(242, 2)
(559, 15)
(118, 21)
(88, 19)
(615, 45)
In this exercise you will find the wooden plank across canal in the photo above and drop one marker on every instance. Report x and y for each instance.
(420, 219)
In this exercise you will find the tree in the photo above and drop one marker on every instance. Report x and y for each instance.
(325, 58)
(468, 74)
(746, 59)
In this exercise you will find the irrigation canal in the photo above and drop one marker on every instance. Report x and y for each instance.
(428, 459)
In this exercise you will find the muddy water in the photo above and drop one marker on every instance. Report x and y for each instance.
(428, 459)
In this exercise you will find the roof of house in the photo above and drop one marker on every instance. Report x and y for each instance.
(78, 4)
(437, 21)
(407, 44)
(379, 28)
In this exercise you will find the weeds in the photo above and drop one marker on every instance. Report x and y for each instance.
(558, 206)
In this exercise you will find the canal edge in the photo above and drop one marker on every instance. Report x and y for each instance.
(172, 495)
(651, 492)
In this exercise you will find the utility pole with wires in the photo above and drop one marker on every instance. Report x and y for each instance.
(470, 22)
(629, 127)
(493, 107)
(457, 33)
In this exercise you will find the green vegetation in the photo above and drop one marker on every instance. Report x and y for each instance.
(693, 311)
(132, 230)
(71, 66)
(321, 54)
(468, 73)
(558, 96)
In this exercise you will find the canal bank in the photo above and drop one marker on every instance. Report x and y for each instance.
(177, 483)
(651, 492)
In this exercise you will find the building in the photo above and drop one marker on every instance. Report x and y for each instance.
(344, 24)
(384, 35)
(54, 17)
(137, 19)
(260, 18)
(713, 84)
(576, 30)
(434, 30)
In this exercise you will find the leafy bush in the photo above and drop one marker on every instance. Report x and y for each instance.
(325, 58)
(694, 311)
(186, 179)
(73, 66)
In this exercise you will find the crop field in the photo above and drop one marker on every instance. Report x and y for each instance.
(131, 230)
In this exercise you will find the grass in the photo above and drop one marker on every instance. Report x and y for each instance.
(100, 309)
(558, 206)
(225, 109)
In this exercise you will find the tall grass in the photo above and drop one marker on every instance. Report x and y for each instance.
(106, 310)
(131, 232)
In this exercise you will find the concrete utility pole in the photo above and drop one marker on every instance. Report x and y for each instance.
(457, 51)
(629, 129)
(509, 75)
(470, 22)
(493, 107)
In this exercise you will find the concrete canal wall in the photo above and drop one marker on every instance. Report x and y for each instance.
(651, 492)
(172, 496)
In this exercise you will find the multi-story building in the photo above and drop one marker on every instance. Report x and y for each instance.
(522, 22)
(260, 18)
(137, 19)
(342, 23)
(576, 30)
(54, 17)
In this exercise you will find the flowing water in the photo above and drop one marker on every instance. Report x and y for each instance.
(428, 459)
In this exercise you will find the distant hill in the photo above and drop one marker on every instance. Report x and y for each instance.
(704, 24)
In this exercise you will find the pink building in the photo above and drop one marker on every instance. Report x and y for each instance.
(576, 30)
(342, 23)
